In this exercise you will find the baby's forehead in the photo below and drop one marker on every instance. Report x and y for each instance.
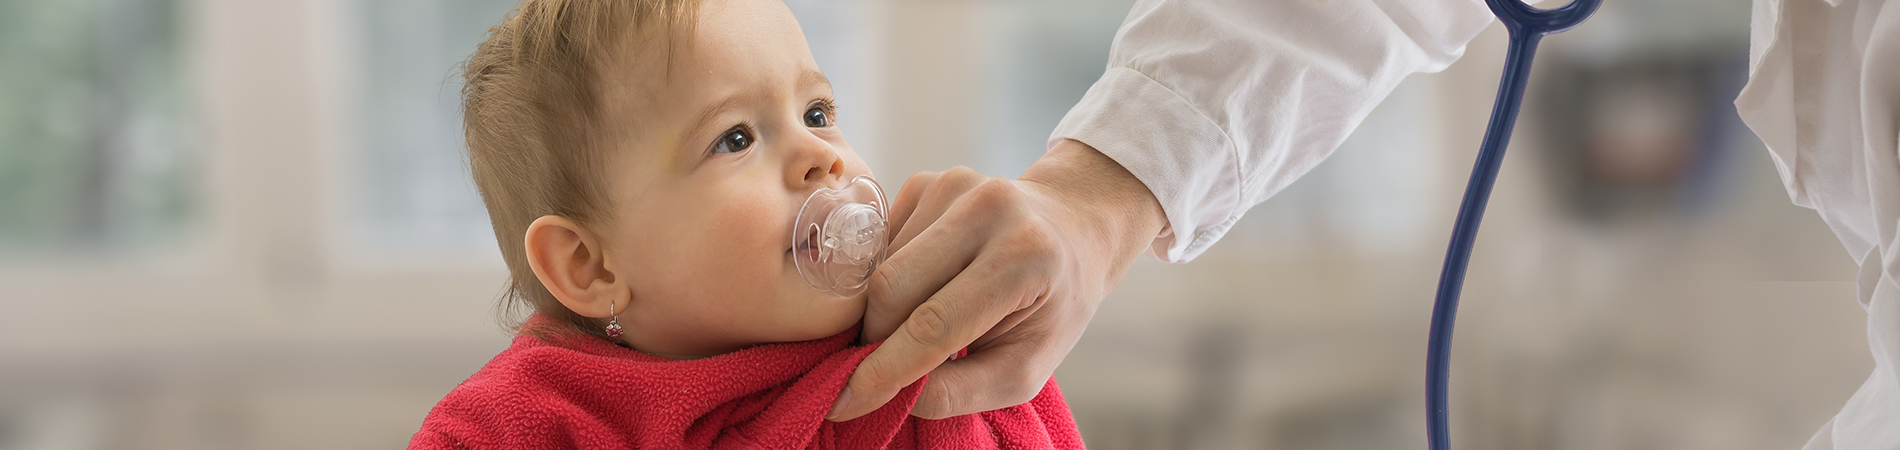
(738, 53)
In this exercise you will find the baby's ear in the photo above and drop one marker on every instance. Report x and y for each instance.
(568, 261)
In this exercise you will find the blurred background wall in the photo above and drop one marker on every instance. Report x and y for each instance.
(246, 224)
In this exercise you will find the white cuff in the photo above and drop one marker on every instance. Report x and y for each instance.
(1182, 155)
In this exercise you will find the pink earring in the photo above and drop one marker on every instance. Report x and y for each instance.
(613, 322)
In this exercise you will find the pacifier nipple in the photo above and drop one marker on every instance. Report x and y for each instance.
(839, 237)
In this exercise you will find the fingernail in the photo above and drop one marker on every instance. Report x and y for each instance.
(836, 408)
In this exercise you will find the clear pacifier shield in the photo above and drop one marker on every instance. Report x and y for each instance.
(840, 235)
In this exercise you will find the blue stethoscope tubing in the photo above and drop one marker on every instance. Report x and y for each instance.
(1527, 25)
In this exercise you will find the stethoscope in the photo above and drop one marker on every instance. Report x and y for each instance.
(1527, 25)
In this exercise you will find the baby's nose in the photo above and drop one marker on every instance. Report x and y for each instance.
(813, 163)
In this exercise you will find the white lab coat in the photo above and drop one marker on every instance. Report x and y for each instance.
(1218, 104)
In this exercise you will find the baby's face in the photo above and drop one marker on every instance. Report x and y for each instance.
(717, 152)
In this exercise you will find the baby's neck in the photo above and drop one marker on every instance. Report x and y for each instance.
(649, 346)
(674, 356)
(662, 349)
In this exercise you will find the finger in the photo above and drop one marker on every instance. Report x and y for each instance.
(943, 193)
(1004, 327)
(907, 198)
(966, 308)
(913, 273)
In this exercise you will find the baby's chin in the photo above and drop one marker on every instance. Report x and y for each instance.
(806, 313)
(824, 315)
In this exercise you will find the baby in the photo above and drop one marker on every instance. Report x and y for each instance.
(643, 163)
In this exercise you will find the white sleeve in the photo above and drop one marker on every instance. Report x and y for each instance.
(1218, 104)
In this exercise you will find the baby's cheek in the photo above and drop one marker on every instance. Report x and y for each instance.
(744, 245)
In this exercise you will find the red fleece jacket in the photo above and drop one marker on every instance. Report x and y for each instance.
(584, 392)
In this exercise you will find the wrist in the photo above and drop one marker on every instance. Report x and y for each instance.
(1105, 201)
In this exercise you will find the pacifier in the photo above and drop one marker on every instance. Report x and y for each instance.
(839, 236)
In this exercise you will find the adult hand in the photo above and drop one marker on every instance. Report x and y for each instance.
(1010, 269)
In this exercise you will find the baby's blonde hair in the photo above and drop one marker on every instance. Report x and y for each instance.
(530, 110)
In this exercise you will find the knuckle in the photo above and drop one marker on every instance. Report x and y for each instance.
(1040, 234)
(929, 326)
(965, 180)
(959, 178)
(921, 180)
(1035, 243)
(961, 173)
(1035, 261)
(935, 401)
(995, 194)
(1020, 386)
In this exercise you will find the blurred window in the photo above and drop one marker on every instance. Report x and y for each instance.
(414, 194)
(1042, 56)
(95, 142)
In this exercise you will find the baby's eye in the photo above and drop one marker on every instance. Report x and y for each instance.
(735, 140)
(818, 117)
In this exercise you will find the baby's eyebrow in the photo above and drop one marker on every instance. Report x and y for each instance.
(706, 116)
(810, 78)
(813, 78)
